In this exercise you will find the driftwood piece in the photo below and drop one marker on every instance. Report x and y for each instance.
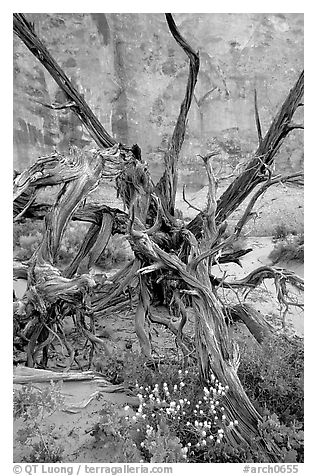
(25, 375)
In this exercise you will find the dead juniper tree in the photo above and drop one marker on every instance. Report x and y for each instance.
(168, 253)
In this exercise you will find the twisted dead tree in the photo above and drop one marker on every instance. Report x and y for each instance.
(167, 252)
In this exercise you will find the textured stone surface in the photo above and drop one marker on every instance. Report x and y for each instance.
(133, 75)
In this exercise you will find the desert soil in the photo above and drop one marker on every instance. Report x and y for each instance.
(72, 430)
(280, 205)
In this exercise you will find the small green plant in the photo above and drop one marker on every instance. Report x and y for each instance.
(273, 376)
(174, 422)
(112, 368)
(113, 434)
(280, 232)
(72, 240)
(26, 238)
(117, 252)
(28, 235)
(32, 406)
(290, 249)
(289, 439)
(178, 420)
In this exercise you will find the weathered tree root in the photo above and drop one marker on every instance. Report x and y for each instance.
(166, 246)
(216, 355)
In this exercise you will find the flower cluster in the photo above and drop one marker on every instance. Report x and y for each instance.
(197, 422)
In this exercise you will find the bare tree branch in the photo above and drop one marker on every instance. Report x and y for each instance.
(167, 185)
(25, 31)
(258, 166)
(257, 118)
(188, 203)
(271, 181)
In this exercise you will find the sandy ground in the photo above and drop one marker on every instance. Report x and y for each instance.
(72, 430)
(264, 298)
(279, 205)
(121, 325)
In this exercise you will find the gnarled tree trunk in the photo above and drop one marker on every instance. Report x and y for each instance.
(153, 232)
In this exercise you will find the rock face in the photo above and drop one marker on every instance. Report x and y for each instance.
(133, 75)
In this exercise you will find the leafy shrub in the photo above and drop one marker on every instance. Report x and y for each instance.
(177, 420)
(112, 368)
(273, 376)
(117, 252)
(25, 228)
(112, 434)
(289, 439)
(282, 231)
(28, 235)
(290, 249)
(33, 406)
(72, 240)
